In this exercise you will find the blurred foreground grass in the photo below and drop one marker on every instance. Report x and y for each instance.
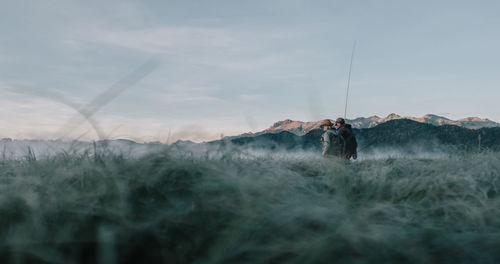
(175, 206)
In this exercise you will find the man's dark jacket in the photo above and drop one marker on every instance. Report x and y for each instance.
(350, 140)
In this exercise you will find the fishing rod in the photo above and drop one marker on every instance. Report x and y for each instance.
(349, 79)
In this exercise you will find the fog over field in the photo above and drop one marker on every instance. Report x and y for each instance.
(181, 204)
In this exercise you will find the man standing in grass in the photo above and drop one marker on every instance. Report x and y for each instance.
(351, 145)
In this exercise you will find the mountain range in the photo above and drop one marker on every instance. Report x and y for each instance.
(402, 134)
(301, 128)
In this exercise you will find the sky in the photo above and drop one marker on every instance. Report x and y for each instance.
(198, 70)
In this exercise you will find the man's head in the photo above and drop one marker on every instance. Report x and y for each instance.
(326, 124)
(339, 122)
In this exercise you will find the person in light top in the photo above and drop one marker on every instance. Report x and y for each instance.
(332, 141)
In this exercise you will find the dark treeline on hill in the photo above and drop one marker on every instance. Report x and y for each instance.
(397, 134)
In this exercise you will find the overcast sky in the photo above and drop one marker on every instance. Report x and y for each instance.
(228, 67)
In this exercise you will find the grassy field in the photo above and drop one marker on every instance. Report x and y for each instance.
(229, 206)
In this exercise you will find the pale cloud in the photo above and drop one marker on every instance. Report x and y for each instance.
(153, 129)
(249, 97)
(166, 39)
(191, 100)
(233, 49)
(30, 117)
(170, 39)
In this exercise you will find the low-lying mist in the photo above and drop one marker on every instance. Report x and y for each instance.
(231, 205)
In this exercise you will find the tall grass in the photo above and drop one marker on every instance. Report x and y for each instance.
(179, 206)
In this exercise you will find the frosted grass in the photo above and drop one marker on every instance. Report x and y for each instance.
(220, 206)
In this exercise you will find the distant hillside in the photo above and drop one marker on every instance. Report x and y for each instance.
(301, 128)
(398, 133)
(404, 132)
